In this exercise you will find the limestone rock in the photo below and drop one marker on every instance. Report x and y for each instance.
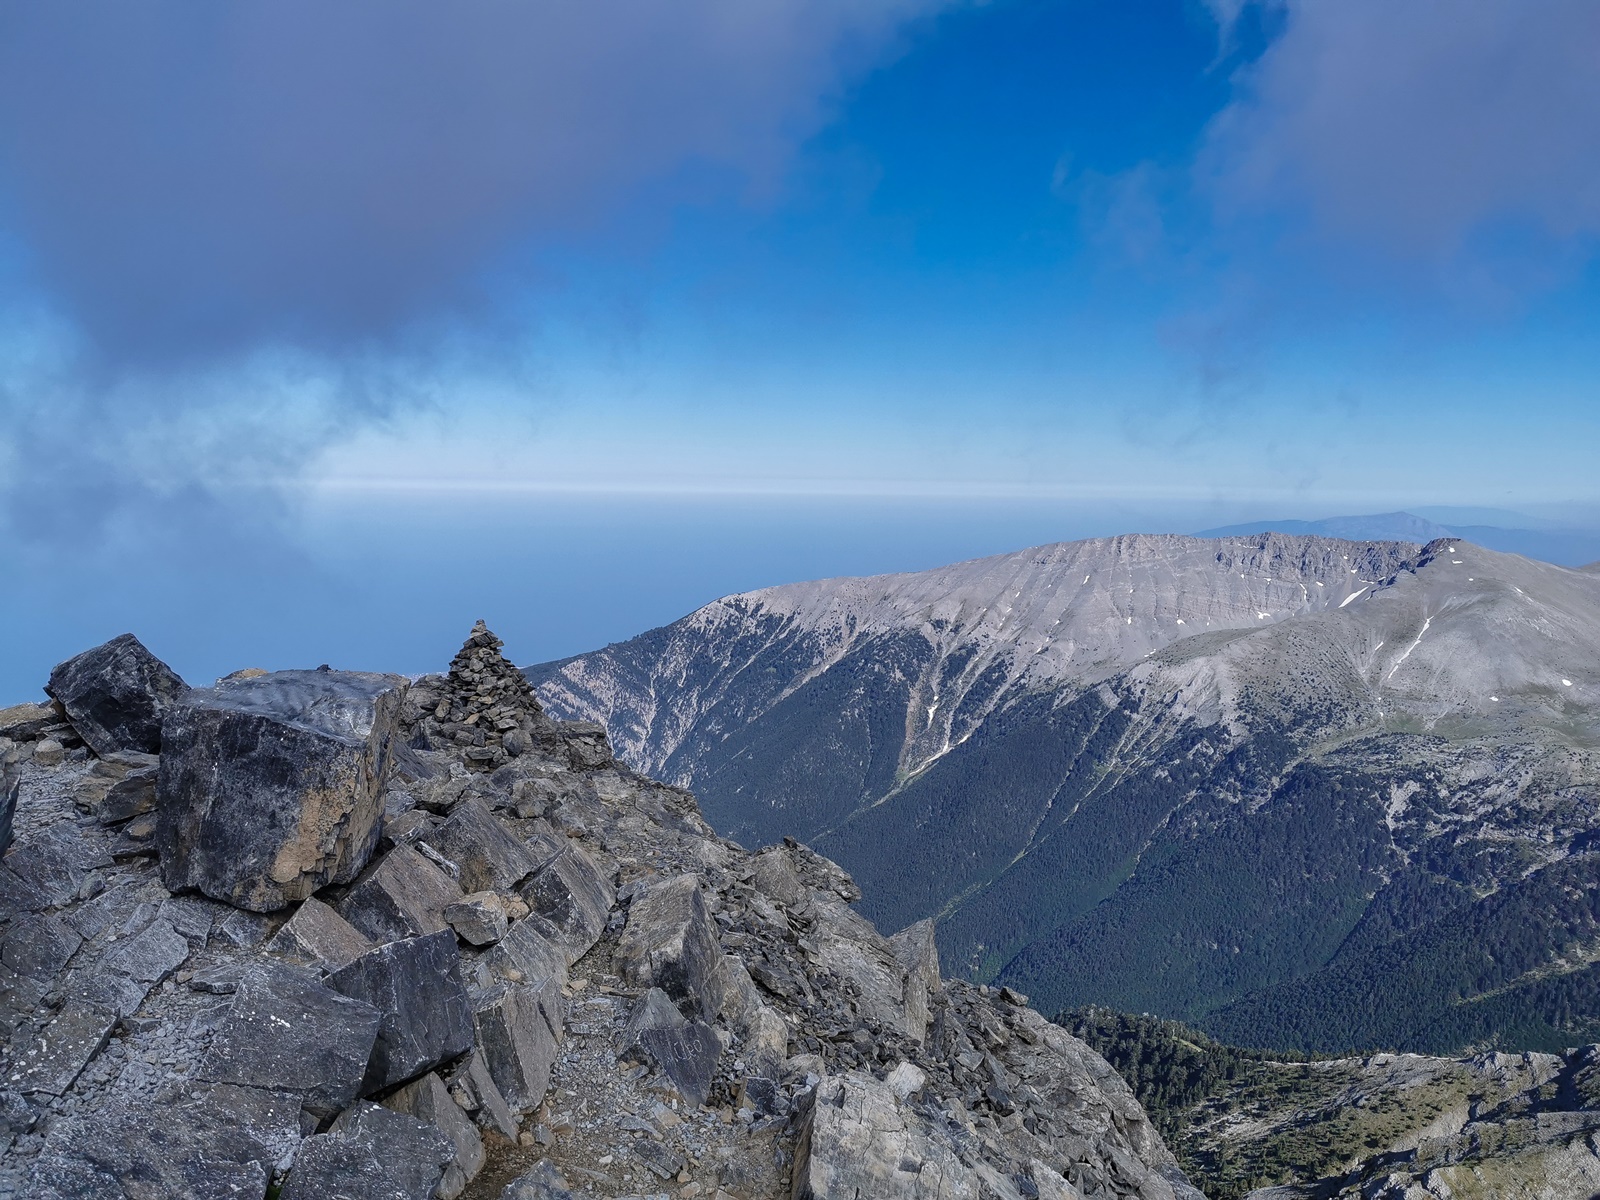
(316, 936)
(918, 955)
(270, 787)
(531, 951)
(519, 1033)
(488, 857)
(402, 895)
(62, 1049)
(9, 790)
(428, 1100)
(858, 1141)
(211, 1142)
(544, 1182)
(669, 942)
(685, 1051)
(572, 894)
(416, 985)
(285, 1032)
(370, 1153)
(116, 695)
(479, 919)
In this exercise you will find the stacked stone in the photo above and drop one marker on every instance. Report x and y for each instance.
(486, 706)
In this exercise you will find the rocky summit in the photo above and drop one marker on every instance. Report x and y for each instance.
(316, 934)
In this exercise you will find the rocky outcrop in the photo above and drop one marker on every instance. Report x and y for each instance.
(551, 979)
(117, 695)
(271, 787)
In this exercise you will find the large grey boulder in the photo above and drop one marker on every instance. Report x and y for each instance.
(211, 1142)
(285, 1032)
(271, 787)
(117, 695)
(427, 1099)
(519, 1034)
(857, 1140)
(427, 1020)
(684, 1051)
(488, 858)
(402, 895)
(572, 893)
(370, 1153)
(670, 942)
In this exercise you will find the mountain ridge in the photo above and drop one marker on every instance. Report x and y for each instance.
(1392, 726)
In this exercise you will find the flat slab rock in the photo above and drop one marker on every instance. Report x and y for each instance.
(117, 695)
(271, 787)
(427, 1099)
(286, 1032)
(215, 1142)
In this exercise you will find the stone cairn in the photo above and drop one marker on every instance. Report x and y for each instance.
(484, 705)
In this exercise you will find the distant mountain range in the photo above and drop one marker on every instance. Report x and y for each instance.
(1493, 529)
(1304, 792)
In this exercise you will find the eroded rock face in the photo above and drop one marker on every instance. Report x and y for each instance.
(117, 695)
(271, 787)
(624, 997)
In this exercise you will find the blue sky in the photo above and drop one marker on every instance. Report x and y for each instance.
(1158, 262)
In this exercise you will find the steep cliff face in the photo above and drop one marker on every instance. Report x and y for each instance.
(1347, 760)
(529, 972)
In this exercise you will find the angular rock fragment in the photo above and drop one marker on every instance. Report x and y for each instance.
(370, 1153)
(10, 789)
(572, 894)
(427, 1020)
(532, 952)
(481, 1095)
(29, 722)
(39, 946)
(775, 877)
(856, 1141)
(286, 1032)
(212, 1142)
(587, 744)
(519, 1034)
(479, 919)
(62, 1049)
(918, 955)
(316, 936)
(117, 695)
(131, 796)
(271, 787)
(684, 1051)
(488, 857)
(403, 895)
(427, 1099)
(544, 1182)
(670, 942)
(150, 955)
